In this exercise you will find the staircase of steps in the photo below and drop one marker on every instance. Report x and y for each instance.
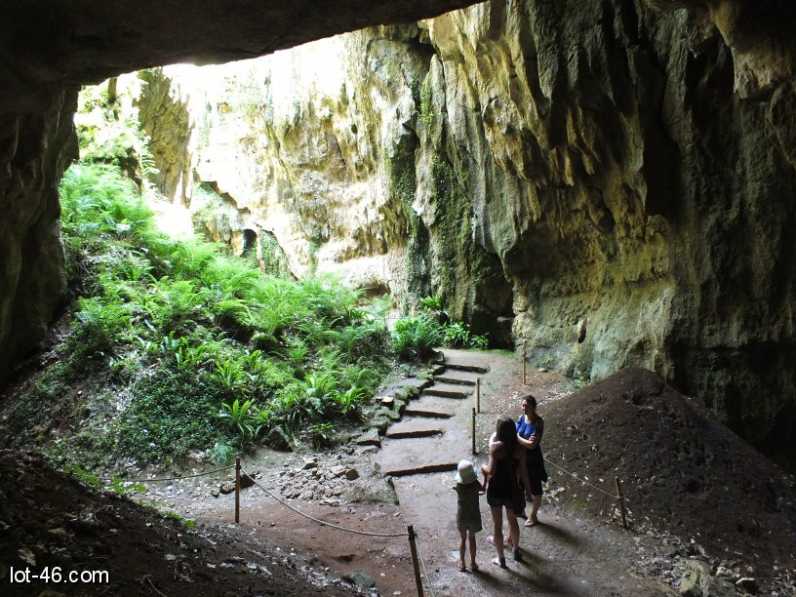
(434, 425)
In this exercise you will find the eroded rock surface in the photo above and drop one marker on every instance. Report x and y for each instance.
(615, 172)
(49, 47)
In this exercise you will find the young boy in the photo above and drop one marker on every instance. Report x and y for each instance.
(468, 512)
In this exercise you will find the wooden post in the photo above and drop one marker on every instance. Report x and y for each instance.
(474, 450)
(525, 363)
(621, 495)
(478, 394)
(415, 563)
(237, 489)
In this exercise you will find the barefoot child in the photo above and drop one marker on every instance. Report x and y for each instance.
(468, 513)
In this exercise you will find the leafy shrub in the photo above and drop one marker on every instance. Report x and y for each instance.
(320, 435)
(125, 488)
(222, 453)
(416, 337)
(191, 332)
(431, 303)
(97, 327)
(86, 477)
(241, 417)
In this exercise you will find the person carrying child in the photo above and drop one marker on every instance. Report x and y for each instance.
(468, 512)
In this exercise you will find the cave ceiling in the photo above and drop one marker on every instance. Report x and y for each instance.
(48, 43)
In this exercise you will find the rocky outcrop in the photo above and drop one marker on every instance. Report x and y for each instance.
(49, 47)
(617, 176)
(633, 187)
(35, 149)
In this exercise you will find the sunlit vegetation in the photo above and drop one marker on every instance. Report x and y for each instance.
(211, 351)
(180, 346)
(416, 337)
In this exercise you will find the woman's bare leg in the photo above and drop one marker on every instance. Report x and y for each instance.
(497, 520)
(537, 502)
(514, 531)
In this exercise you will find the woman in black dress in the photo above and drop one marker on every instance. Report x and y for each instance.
(530, 427)
(503, 488)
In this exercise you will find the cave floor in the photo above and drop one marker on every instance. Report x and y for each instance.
(566, 555)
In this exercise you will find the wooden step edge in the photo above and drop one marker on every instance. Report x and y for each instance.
(422, 470)
(413, 434)
(470, 368)
(454, 381)
(411, 412)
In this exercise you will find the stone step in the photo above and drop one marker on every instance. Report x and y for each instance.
(417, 427)
(447, 393)
(413, 433)
(456, 381)
(468, 368)
(423, 469)
(418, 411)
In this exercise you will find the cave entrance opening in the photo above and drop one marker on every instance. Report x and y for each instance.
(249, 242)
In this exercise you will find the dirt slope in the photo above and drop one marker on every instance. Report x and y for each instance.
(48, 519)
(682, 470)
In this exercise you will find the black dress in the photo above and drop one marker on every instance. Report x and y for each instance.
(534, 459)
(503, 488)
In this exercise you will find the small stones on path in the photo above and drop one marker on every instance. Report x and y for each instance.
(319, 482)
(228, 486)
(360, 579)
(368, 438)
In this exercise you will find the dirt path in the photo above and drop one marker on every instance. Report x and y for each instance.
(566, 555)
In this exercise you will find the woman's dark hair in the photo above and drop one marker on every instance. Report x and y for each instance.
(507, 433)
(529, 398)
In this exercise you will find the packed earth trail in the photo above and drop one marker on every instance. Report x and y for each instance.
(565, 555)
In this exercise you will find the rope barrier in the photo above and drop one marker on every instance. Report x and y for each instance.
(158, 480)
(323, 522)
(584, 481)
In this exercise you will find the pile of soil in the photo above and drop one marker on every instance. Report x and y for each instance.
(682, 471)
(48, 519)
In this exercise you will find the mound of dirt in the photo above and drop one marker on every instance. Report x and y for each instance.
(49, 521)
(682, 470)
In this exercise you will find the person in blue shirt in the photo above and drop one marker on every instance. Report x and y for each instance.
(530, 428)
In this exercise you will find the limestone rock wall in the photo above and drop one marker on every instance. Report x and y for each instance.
(297, 148)
(617, 172)
(36, 146)
(633, 172)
